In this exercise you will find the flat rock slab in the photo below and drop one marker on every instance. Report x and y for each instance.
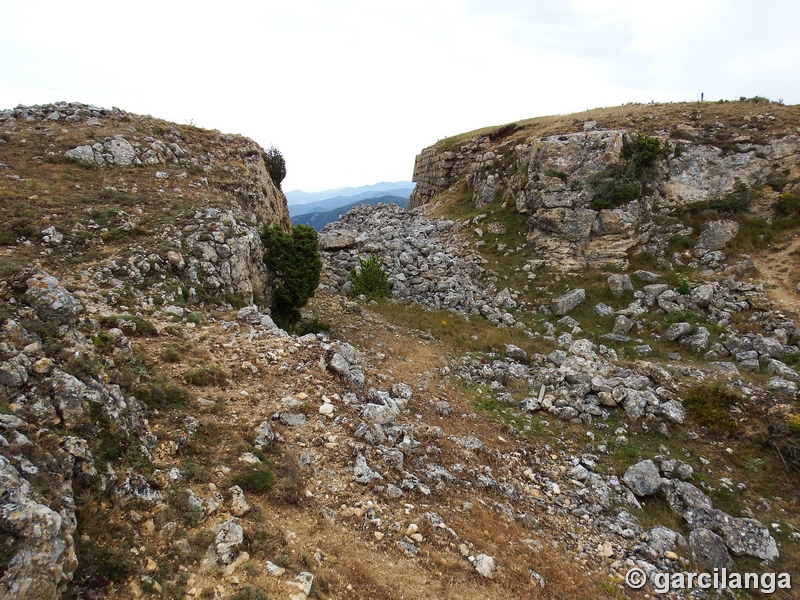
(564, 304)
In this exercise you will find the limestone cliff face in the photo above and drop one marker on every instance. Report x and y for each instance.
(552, 178)
(203, 195)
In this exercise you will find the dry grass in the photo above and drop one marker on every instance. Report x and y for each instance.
(54, 190)
(643, 119)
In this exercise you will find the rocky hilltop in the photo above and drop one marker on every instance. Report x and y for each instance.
(550, 170)
(501, 417)
(137, 198)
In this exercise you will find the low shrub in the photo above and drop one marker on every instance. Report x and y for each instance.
(249, 592)
(205, 375)
(787, 205)
(683, 285)
(257, 478)
(171, 353)
(370, 280)
(738, 201)
(708, 405)
(160, 393)
(141, 327)
(628, 179)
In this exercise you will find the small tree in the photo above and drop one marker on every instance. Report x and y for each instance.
(294, 258)
(276, 165)
(370, 279)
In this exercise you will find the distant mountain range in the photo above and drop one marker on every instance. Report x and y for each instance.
(319, 219)
(307, 202)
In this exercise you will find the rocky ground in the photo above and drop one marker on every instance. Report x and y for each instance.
(500, 430)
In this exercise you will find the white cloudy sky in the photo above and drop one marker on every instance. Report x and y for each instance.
(352, 90)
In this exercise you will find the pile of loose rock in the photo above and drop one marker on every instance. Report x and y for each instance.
(426, 261)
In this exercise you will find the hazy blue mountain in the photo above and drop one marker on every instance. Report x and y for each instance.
(318, 220)
(300, 197)
(337, 201)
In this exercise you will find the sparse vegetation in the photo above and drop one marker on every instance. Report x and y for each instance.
(206, 374)
(709, 405)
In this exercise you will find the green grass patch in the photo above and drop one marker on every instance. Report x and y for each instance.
(708, 405)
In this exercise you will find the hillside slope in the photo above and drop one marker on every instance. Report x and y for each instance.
(501, 428)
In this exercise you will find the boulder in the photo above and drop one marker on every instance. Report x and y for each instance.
(603, 310)
(619, 283)
(696, 342)
(677, 331)
(362, 474)
(749, 537)
(41, 558)
(643, 478)
(709, 550)
(673, 410)
(662, 540)
(52, 301)
(225, 548)
(265, 436)
(683, 497)
(515, 352)
(337, 239)
(702, 295)
(622, 325)
(567, 302)
(484, 564)
(715, 234)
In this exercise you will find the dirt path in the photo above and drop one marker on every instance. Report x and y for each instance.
(780, 272)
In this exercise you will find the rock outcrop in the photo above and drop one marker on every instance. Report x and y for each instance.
(552, 179)
(221, 181)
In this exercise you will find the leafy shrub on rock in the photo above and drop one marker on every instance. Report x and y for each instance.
(628, 179)
(294, 258)
(370, 279)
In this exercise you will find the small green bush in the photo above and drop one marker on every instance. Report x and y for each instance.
(626, 180)
(683, 285)
(785, 439)
(194, 472)
(171, 353)
(559, 174)
(143, 327)
(295, 260)
(160, 393)
(257, 478)
(249, 592)
(370, 279)
(787, 205)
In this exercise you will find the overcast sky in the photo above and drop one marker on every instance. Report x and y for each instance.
(351, 90)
